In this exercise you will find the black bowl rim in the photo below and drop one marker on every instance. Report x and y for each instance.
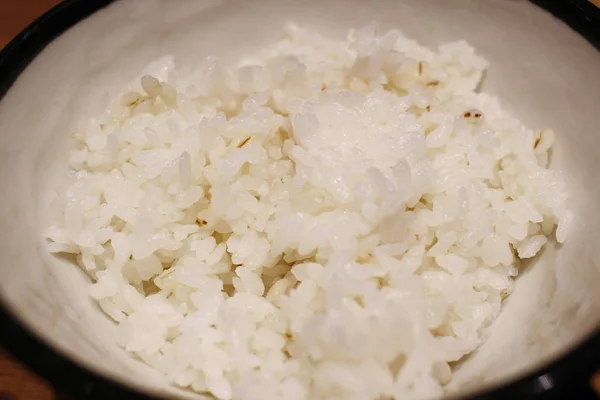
(572, 369)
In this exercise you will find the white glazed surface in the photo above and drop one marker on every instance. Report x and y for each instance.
(541, 70)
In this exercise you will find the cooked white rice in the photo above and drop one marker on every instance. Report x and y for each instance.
(332, 220)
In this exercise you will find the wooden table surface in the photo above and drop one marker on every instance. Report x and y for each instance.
(16, 382)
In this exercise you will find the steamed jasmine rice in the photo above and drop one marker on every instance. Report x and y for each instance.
(330, 220)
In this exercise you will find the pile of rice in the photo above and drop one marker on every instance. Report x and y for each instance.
(331, 220)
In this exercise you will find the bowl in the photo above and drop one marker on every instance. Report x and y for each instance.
(70, 61)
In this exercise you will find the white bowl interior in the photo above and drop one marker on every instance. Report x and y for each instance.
(542, 71)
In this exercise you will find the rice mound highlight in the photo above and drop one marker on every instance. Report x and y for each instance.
(331, 220)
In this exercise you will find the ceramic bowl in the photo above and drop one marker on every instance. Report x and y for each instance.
(67, 63)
